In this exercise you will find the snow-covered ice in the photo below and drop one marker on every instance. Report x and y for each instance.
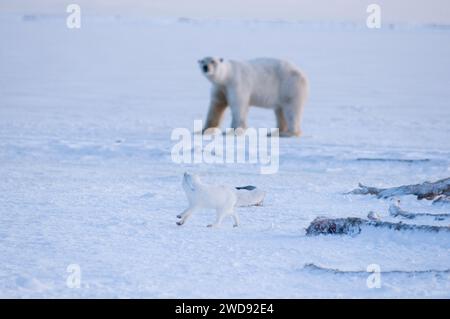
(86, 175)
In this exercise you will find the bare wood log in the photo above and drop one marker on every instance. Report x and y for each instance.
(400, 160)
(353, 226)
(395, 211)
(442, 200)
(314, 267)
(426, 190)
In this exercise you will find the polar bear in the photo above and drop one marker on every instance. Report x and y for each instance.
(264, 82)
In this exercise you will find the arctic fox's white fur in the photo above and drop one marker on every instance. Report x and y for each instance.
(222, 198)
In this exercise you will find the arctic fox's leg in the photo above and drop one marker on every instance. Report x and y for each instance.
(221, 214)
(185, 215)
(186, 211)
(236, 219)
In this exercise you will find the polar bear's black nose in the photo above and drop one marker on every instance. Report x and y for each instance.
(205, 68)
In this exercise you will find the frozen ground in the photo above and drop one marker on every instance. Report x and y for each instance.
(86, 175)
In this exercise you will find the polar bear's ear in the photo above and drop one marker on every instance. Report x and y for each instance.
(221, 59)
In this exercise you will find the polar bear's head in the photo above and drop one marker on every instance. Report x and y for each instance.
(214, 69)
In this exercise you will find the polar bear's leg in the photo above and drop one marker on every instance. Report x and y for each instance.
(239, 105)
(292, 111)
(239, 117)
(281, 120)
(217, 107)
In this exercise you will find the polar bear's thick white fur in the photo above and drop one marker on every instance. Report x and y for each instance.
(264, 82)
(222, 198)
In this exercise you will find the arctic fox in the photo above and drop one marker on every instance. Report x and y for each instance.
(222, 198)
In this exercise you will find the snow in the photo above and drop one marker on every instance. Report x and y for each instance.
(86, 175)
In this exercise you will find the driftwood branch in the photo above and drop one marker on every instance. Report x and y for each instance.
(353, 226)
(426, 190)
(395, 210)
(399, 160)
(442, 200)
(315, 267)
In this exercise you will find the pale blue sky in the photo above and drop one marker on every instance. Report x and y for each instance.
(413, 11)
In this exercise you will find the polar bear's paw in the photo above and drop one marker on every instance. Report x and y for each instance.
(211, 131)
(234, 131)
(290, 134)
(273, 133)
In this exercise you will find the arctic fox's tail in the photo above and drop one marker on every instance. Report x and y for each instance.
(249, 196)
(246, 195)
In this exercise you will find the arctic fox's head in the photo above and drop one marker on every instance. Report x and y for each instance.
(213, 69)
(191, 180)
